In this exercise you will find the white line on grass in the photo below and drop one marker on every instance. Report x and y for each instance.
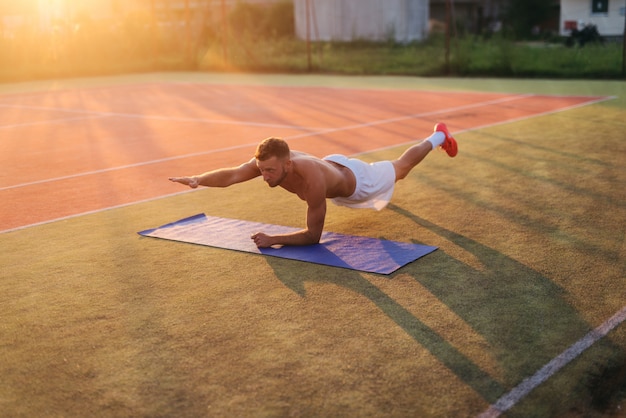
(509, 400)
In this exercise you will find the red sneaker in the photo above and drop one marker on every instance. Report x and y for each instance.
(449, 145)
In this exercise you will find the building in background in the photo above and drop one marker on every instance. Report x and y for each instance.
(606, 15)
(349, 20)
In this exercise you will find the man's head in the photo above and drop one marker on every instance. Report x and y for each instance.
(272, 147)
(273, 160)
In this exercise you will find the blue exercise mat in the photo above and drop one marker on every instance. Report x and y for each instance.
(338, 250)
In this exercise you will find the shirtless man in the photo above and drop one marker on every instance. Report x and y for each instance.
(346, 181)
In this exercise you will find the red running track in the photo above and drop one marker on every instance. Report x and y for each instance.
(66, 153)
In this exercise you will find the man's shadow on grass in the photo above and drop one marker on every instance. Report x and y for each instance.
(520, 312)
(463, 367)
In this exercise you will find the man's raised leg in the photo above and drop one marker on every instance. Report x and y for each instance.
(415, 154)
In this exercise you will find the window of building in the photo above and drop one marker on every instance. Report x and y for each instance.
(599, 6)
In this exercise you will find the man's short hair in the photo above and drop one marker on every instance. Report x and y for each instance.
(272, 147)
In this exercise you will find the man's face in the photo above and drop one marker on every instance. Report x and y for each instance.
(273, 170)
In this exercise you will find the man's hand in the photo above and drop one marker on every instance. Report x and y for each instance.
(262, 240)
(187, 181)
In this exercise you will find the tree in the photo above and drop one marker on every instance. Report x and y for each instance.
(523, 16)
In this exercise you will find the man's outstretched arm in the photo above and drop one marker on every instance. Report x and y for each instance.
(223, 177)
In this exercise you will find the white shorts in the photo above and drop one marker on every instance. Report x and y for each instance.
(374, 182)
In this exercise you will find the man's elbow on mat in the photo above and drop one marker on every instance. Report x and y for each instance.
(315, 237)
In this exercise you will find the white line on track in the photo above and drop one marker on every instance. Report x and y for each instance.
(504, 122)
(509, 400)
(415, 116)
(123, 167)
(78, 215)
(303, 135)
(152, 117)
(314, 132)
(53, 121)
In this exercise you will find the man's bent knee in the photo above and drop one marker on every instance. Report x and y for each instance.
(402, 169)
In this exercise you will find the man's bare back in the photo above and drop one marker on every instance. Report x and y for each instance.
(339, 181)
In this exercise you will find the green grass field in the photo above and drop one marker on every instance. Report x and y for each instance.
(530, 222)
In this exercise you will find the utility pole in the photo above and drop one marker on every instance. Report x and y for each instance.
(308, 35)
(624, 45)
(154, 33)
(225, 30)
(448, 19)
(189, 60)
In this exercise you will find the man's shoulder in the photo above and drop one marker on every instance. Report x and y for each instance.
(307, 159)
(301, 154)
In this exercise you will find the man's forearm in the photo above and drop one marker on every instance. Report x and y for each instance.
(217, 178)
(209, 179)
(303, 237)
